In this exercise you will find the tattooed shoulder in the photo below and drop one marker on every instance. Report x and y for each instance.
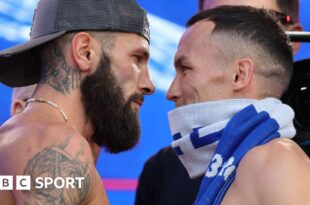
(58, 165)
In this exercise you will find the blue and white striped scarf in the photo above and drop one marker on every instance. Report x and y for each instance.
(211, 138)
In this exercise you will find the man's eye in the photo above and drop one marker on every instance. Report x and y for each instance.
(138, 58)
(185, 69)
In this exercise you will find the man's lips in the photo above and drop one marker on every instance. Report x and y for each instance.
(137, 99)
(139, 102)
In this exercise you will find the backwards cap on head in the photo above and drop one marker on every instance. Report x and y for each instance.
(53, 18)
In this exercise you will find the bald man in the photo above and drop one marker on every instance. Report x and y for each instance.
(19, 97)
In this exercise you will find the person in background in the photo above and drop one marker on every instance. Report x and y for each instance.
(164, 179)
(89, 59)
(20, 95)
(286, 12)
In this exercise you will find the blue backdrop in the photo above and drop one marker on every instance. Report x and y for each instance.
(167, 19)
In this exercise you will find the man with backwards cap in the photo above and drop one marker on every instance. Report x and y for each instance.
(89, 59)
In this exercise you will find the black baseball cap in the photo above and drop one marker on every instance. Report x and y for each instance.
(53, 18)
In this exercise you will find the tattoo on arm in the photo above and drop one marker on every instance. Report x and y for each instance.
(54, 162)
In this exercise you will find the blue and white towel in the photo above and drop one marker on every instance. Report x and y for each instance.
(211, 138)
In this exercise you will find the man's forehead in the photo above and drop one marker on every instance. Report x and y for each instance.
(131, 40)
(195, 35)
(196, 40)
(197, 32)
(23, 92)
(267, 4)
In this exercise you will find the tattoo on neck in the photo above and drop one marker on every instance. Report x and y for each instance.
(58, 74)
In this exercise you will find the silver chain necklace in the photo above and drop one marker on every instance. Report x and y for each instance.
(31, 100)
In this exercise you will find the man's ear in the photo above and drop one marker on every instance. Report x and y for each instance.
(243, 74)
(296, 27)
(84, 52)
(17, 107)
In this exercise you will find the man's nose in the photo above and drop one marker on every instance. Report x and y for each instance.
(145, 83)
(173, 93)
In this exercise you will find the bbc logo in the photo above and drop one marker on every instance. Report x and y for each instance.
(21, 182)
(24, 182)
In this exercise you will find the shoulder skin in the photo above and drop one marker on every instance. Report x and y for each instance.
(277, 173)
(56, 150)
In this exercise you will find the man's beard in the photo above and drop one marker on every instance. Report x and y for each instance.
(116, 126)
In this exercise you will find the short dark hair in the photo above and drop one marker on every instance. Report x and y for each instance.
(261, 37)
(289, 7)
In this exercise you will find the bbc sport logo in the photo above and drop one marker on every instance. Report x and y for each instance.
(23, 182)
